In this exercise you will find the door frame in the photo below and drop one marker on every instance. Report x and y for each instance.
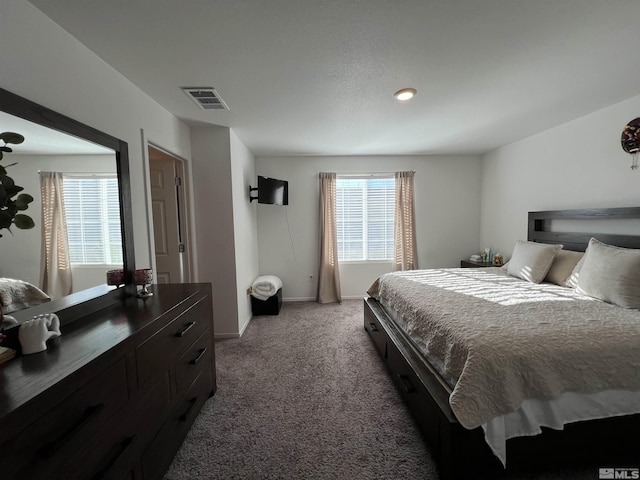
(189, 234)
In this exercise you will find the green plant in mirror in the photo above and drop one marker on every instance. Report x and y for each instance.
(12, 202)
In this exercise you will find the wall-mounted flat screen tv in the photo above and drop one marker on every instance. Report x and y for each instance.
(273, 191)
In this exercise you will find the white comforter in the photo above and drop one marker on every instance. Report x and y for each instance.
(501, 341)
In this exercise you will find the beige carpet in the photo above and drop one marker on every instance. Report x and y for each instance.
(304, 395)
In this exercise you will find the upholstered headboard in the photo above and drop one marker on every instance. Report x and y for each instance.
(539, 227)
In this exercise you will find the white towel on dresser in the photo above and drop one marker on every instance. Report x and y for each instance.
(265, 286)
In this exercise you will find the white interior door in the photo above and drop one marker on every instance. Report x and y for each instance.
(166, 175)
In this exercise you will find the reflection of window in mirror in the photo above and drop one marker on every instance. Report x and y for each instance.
(55, 144)
(92, 213)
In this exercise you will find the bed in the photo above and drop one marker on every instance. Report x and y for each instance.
(539, 346)
(17, 295)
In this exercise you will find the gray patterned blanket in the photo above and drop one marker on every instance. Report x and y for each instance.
(505, 340)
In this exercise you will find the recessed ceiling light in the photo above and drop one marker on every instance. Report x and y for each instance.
(405, 94)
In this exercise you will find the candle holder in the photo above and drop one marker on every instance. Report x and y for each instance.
(144, 277)
(115, 277)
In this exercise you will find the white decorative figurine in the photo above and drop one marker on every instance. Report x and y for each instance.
(34, 333)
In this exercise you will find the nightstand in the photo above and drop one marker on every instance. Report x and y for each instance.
(474, 264)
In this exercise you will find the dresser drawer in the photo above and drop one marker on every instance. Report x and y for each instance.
(153, 404)
(194, 359)
(111, 457)
(162, 349)
(115, 450)
(157, 458)
(66, 428)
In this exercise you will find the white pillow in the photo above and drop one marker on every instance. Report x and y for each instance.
(562, 268)
(531, 261)
(572, 281)
(611, 274)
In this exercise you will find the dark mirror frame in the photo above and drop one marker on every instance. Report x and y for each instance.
(28, 110)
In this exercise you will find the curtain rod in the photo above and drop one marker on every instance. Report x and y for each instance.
(84, 174)
(373, 174)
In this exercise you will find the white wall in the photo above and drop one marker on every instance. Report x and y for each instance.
(447, 217)
(213, 198)
(48, 66)
(243, 174)
(579, 164)
(21, 250)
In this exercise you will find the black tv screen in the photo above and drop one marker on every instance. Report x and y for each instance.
(273, 191)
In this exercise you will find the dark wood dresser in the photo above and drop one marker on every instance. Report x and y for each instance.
(115, 395)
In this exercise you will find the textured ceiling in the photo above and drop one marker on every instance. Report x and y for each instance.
(316, 77)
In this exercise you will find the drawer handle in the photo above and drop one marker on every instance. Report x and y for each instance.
(406, 383)
(185, 415)
(124, 445)
(200, 355)
(51, 448)
(373, 327)
(183, 331)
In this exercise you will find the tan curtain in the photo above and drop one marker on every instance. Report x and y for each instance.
(55, 271)
(328, 275)
(406, 255)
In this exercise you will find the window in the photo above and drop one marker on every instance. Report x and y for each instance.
(92, 209)
(364, 218)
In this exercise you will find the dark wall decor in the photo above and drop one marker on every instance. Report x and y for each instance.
(631, 140)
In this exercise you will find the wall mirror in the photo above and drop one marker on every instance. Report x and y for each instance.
(56, 143)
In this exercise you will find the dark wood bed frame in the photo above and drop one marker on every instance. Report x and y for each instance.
(461, 453)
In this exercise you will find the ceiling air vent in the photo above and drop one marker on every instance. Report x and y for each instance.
(206, 98)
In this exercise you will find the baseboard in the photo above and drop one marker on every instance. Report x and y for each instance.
(225, 336)
(313, 299)
(245, 325)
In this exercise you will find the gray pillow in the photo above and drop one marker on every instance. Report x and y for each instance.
(562, 268)
(611, 274)
(531, 261)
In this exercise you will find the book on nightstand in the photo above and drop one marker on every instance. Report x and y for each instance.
(6, 354)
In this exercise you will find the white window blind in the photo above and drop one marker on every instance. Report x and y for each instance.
(364, 218)
(92, 211)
